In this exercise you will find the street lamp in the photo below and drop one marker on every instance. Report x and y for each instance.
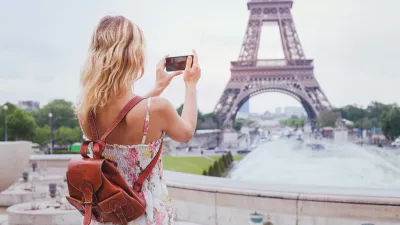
(51, 133)
(5, 107)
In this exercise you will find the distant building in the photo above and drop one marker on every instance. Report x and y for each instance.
(278, 110)
(28, 105)
(294, 111)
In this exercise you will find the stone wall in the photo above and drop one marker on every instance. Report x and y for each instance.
(211, 200)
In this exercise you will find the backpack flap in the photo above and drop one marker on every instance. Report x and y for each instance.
(121, 204)
(85, 169)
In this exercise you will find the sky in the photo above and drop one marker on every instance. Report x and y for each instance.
(354, 44)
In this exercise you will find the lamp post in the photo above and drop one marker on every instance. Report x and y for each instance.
(51, 133)
(5, 107)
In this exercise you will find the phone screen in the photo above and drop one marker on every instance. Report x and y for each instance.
(176, 63)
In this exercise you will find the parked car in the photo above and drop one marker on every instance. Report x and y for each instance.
(220, 151)
(396, 143)
(243, 151)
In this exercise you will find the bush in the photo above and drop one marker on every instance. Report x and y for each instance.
(204, 173)
(61, 152)
(230, 157)
(221, 164)
(211, 171)
(217, 169)
(224, 159)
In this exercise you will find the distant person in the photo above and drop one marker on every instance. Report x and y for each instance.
(116, 59)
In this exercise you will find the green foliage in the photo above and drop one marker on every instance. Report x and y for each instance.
(21, 125)
(225, 161)
(229, 158)
(238, 125)
(390, 121)
(204, 121)
(180, 109)
(204, 173)
(365, 123)
(211, 171)
(352, 112)
(63, 114)
(42, 135)
(69, 135)
(221, 164)
(62, 152)
(292, 122)
(364, 118)
(328, 118)
(217, 169)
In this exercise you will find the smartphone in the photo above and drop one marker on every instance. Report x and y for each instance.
(177, 63)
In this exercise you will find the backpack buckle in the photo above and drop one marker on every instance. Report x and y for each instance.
(88, 203)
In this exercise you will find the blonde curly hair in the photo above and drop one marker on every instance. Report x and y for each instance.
(115, 59)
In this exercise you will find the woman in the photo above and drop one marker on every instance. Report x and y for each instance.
(115, 61)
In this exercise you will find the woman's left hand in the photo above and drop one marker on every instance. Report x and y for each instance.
(163, 79)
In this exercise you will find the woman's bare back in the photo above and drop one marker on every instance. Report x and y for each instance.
(130, 130)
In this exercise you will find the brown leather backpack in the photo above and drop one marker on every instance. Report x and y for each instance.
(97, 189)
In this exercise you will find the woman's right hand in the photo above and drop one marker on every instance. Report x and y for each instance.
(192, 72)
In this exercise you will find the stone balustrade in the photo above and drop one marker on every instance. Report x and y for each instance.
(211, 200)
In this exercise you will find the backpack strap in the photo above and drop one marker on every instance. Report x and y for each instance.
(99, 144)
(146, 172)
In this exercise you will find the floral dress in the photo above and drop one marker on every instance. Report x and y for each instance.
(133, 159)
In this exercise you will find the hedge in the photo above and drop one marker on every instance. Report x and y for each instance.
(220, 166)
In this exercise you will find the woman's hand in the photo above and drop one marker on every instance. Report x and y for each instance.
(192, 72)
(163, 79)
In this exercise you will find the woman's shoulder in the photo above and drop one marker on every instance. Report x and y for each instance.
(160, 104)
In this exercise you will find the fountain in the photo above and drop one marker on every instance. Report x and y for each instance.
(338, 165)
(256, 218)
(39, 211)
(15, 158)
(340, 132)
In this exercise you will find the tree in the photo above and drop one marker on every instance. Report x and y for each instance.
(68, 134)
(42, 135)
(21, 125)
(204, 173)
(328, 118)
(225, 161)
(204, 121)
(211, 171)
(63, 114)
(365, 124)
(238, 125)
(217, 169)
(230, 158)
(180, 109)
(292, 122)
(375, 109)
(390, 121)
(353, 112)
(10, 110)
(221, 164)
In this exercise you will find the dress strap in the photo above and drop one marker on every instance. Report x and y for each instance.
(146, 121)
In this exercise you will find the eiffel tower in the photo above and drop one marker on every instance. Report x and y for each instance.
(250, 76)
